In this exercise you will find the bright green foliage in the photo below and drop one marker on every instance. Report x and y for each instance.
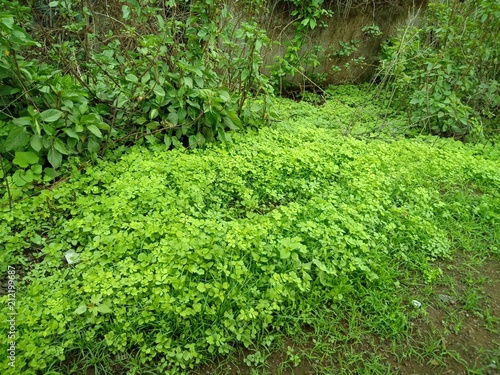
(446, 72)
(349, 110)
(184, 254)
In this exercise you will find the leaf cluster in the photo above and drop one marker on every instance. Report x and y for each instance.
(187, 80)
(445, 72)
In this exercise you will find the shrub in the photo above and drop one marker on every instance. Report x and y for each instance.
(172, 76)
(445, 73)
(45, 114)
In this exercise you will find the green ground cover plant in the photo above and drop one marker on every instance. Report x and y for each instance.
(185, 255)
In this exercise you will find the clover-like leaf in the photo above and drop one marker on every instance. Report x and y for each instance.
(24, 159)
(80, 309)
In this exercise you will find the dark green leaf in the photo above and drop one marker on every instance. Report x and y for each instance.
(36, 142)
(37, 169)
(7, 21)
(93, 145)
(121, 100)
(193, 141)
(50, 174)
(22, 121)
(61, 147)
(176, 142)
(153, 114)
(49, 129)
(17, 139)
(167, 140)
(20, 179)
(224, 95)
(201, 139)
(173, 118)
(4, 73)
(5, 90)
(229, 123)
(158, 90)
(71, 133)
(153, 125)
(54, 157)
(188, 81)
(234, 118)
(50, 115)
(131, 78)
(95, 130)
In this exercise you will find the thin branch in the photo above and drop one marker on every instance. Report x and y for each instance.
(6, 182)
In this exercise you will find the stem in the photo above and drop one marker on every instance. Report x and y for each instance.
(21, 79)
(50, 212)
(6, 182)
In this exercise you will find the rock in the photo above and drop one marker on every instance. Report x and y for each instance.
(71, 257)
(416, 304)
(446, 298)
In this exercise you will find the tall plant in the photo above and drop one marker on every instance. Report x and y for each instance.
(175, 73)
(446, 72)
(44, 114)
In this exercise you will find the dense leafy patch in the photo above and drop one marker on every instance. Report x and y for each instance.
(87, 80)
(445, 72)
(183, 255)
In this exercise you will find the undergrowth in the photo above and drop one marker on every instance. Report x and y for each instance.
(443, 70)
(185, 255)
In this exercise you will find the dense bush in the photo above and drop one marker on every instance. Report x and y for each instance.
(186, 254)
(170, 75)
(446, 72)
(45, 114)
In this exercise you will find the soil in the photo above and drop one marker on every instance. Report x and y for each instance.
(475, 347)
